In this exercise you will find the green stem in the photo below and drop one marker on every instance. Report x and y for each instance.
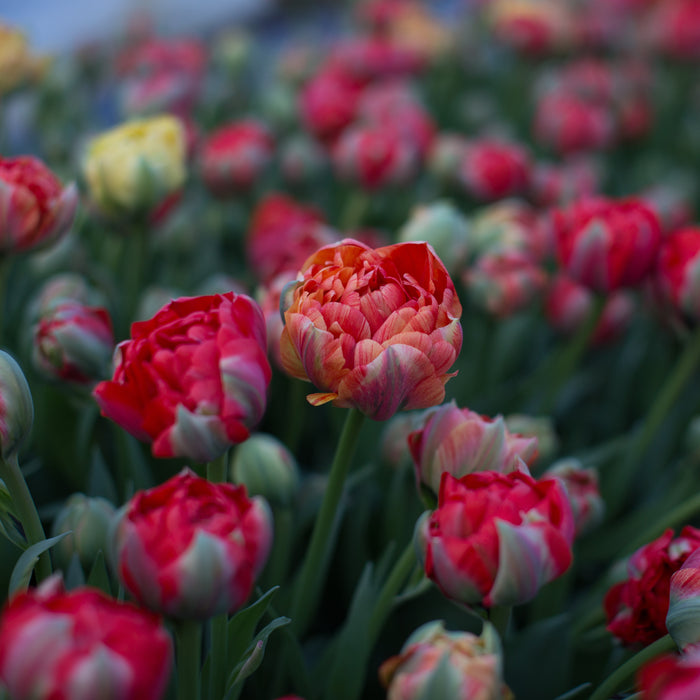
(608, 687)
(499, 617)
(567, 362)
(135, 258)
(217, 471)
(5, 264)
(25, 510)
(642, 439)
(401, 571)
(311, 578)
(188, 648)
(275, 572)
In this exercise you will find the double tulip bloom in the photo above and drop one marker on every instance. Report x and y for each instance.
(374, 329)
(606, 244)
(636, 608)
(191, 548)
(81, 645)
(495, 539)
(193, 379)
(460, 664)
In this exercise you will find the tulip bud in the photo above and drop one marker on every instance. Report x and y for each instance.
(88, 521)
(74, 343)
(35, 209)
(581, 486)
(436, 663)
(459, 441)
(301, 159)
(266, 468)
(16, 406)
(443, 226)
(683, 619)
(539, 427)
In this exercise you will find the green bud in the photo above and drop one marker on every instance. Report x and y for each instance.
(16, 406)
(266, 468)
(88, 520)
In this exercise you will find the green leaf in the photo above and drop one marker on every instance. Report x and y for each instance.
(578, 691)
(99, 576)
(100, 481)
(10, 525)
(345, 669)
(22, 573)
(241, 626)
(252, 658)
(549, 639)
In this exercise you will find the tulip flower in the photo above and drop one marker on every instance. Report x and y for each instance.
(377, 330)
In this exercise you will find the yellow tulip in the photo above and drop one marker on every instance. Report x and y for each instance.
(133, 167)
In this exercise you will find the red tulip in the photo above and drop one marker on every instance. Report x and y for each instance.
(80, 646)
(190, 548)
(193, 379)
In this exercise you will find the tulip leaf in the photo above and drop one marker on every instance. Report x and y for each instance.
(22, 573)
(100, 481)
(241, 626)
(98, 576)
(252, 658)
(345, 668)
(578, 691)
(10, 526)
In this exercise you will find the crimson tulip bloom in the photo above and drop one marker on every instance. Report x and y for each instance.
(606, 244)
(81, 645)
(190, 548)
(636, 608)
(193, 379)
(374, 329)
(495, 539)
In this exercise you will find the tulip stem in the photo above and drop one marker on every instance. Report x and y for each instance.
(402, 569)
(134, 261)
(5, 264)
(641, 439)
(608, 687)
(312, 575)
(188, 649)
(217, 471)
(25, 509)
(499, 617)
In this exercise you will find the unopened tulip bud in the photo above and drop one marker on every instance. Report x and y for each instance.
(436, 663)
(88, 521)
(444, 227)
(266, 468)
(16, 406)
(74, 343)
(539, 427)
(581, 486)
